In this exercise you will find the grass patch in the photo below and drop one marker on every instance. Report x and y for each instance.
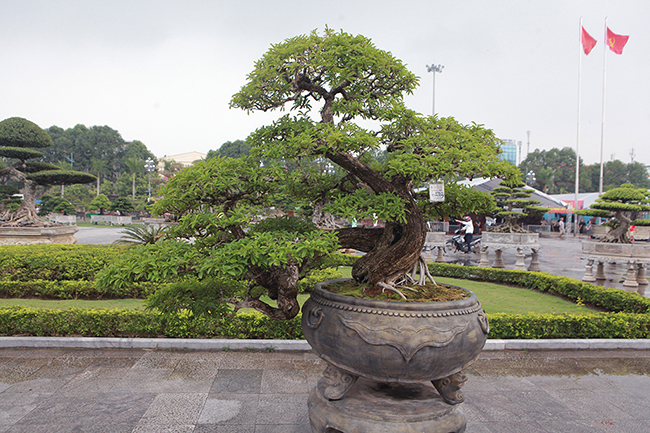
(126, 304)
(513, 300)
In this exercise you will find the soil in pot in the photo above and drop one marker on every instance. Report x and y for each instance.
(427, 293)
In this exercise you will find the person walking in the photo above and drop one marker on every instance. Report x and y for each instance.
(561, 227)
(469, 232)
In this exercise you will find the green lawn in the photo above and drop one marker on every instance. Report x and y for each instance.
(129, 304)
(494, 299)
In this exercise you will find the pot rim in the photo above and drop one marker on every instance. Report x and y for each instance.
(394, 305)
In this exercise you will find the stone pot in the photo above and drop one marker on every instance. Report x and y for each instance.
(38, 235)
(389, 341)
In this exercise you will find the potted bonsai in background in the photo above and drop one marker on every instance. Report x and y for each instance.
(326, 83)
(624, 207)
(19, 139)
(513, 197)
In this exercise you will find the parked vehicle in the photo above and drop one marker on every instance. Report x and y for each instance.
(457, 242)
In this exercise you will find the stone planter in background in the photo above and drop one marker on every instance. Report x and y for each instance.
(519, 241)
(635, 255)
(38, 235)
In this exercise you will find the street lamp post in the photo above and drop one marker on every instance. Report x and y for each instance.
(149, 166)
(434, 69)
(530, 178)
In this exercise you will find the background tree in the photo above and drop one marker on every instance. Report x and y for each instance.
(555, 171)
(135, 166)
(53, 204)
(123, 205)
(625, 204)
(18, 139)
(82, 144)
(100, 167)
(513, 198)
(101, 202)
(231, 149)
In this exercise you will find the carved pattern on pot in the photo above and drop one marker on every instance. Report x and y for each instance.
(365, 310)
(483, 321)
(336, 382)
(449, 387)
(406, 339)
(315, 317)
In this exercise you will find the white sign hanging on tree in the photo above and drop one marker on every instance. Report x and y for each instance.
(436, 192)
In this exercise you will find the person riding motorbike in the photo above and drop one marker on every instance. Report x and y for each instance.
(469, 232)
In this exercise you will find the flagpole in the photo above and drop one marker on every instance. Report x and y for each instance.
(602, 124)
(577, 183)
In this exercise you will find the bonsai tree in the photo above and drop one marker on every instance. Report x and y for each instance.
(625, 205)
(50, 204)
(18, 140)
(123, 205)
(514, 200)
(325, 82)
(100, 202)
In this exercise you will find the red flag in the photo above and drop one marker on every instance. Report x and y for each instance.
(588, 43)
(616, 42)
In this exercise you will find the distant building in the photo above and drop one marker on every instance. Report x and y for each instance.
(185, 159)
(509, 148)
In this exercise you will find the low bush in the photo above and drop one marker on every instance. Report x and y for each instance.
(133, 323)
(254, 325)
(55, 262)
(46, 289)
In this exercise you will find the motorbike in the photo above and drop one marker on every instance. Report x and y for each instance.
(457, 242)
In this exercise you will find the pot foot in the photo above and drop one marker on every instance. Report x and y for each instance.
(335, 382)
(449, 387)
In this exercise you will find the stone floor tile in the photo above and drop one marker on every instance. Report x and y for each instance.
(177, 409)
(238, 381)
(283, 409)
(276, 381)
(249, 406)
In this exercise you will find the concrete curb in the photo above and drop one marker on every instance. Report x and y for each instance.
(290, 345)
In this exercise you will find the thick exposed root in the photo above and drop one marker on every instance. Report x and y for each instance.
(421, 268)
(385, 287)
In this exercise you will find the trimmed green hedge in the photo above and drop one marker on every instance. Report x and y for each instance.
(45, 289)
(55, 262)
(253, 325)
(133, 323)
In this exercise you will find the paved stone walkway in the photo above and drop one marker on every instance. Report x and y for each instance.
(108, 390)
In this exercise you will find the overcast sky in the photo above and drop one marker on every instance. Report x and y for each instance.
(163, 72)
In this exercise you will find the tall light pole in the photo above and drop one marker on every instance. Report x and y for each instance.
(149, 166)
(434, 69)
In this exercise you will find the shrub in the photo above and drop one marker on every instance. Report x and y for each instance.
(133, 323)
(57, 262)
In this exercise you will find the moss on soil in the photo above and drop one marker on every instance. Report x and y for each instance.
(428, 293)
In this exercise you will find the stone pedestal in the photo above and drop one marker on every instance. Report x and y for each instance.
(385, 407)
(589, 272)
(519, 263)
(498, 260)
(519, 241)
(635, 255)
(435, 240)
(534, 261)
(485, 258)
(38, 235)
